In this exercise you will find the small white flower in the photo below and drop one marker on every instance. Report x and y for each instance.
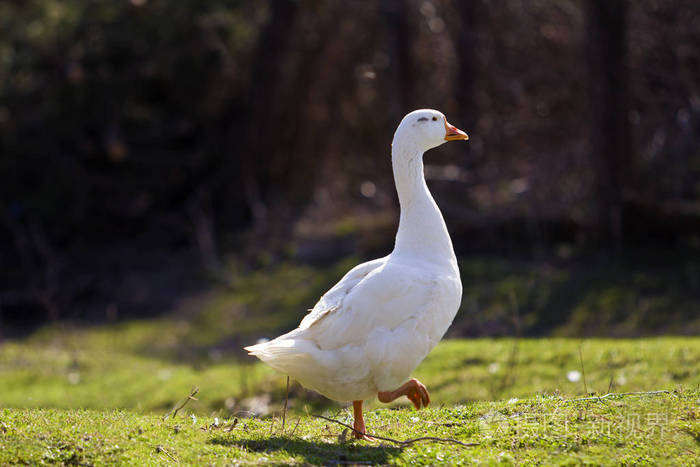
(494, 367)
(513, 400)
(573, 376)
(74, 377)
(414, 419)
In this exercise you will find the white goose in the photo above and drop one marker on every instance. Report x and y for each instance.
(371, 330)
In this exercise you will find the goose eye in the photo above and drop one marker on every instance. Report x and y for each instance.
(434, 119)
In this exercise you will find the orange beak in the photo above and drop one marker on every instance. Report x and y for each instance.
(452, 133)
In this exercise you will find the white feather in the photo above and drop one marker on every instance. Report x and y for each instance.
(372, 329)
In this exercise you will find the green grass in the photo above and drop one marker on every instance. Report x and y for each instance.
(645, 294)
(121, 367)
(97, 396)
(659, 429)
(71, 395)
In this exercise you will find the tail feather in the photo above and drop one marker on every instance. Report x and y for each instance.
(337, 373)
(285, 355)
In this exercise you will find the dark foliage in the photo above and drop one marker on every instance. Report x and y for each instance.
(144, 140)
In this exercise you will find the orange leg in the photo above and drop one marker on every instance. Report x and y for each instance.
(359, 423)
(413, 389)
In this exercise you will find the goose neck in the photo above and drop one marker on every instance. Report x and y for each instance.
(422, 231)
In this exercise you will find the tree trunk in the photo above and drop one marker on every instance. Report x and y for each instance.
(463, 27)
(610, 141)
(397, 17)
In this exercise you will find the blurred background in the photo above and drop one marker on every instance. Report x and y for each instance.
(221, 163)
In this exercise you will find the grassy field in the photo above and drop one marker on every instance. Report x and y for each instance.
(95, 396)
(653, 429)
(135, 366)
(84, 396)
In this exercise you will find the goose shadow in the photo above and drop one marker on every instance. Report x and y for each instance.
(315, 452)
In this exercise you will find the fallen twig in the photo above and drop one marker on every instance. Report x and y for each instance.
(619, 394)
(295, 427)
(182, 403)
(286, 399)
(407, 442)
(160, 448)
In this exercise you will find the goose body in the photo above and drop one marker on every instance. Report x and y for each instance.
(367, 334)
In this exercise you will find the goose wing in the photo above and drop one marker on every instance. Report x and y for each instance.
(332, 300)
(387, 297)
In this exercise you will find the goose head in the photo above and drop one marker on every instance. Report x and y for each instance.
(427, 129)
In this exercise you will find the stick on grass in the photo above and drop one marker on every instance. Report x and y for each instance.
(180, 405)
(407, 442)
(620, 394)
(286, 399)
